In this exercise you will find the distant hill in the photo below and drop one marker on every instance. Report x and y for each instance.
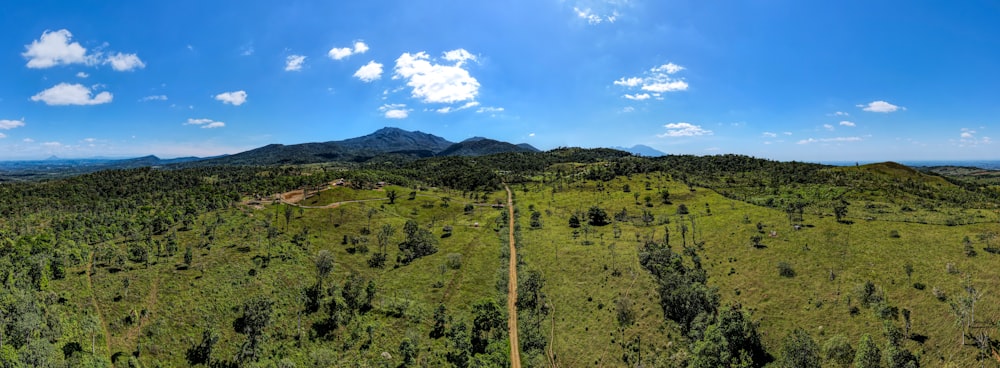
(384, 142)
(395, 139)
(478, 146)
(642, 150)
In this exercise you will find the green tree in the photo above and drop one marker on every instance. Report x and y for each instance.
(868, 354)
(440, 318)
(838, 350)
(665, 196)
(188, 255)
(800, 351)
(392, 195)
(597, 216)
(256, 318)
(408, 351)
(324, 266)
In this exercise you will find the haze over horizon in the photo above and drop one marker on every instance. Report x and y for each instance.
(786, 80)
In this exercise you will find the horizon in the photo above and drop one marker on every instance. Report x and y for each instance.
(832, 82)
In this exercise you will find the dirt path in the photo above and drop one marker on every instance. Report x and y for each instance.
(336, 204)
(97, 307)
(515, 351)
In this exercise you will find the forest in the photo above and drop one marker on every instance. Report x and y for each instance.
(674, 261)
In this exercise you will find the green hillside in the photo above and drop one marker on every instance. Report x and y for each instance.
(622, 261)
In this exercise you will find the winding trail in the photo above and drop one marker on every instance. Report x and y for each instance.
(515, 352)
(97, 307)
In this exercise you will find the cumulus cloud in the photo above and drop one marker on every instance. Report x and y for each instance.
(124, 62)
(11, 124)
(448, 109)
(658, 79)
(369, 72)
(683, 130)
(839, 113)
(628, 109)
(637, 96)
(293, 63)
(828, 127)
(338, 53)
(153, 98)
(52, 144)
(205, 123)
(82, 75)
(629, 82)
(2, 136)
(969, 138)
(847, 123)
(436, 83)
(71, 94)
(234, 98)
(28, 140)
(54, 48)
(880, 106)
(770, 135)
(395, 111)
(459, 56)
(829, 140)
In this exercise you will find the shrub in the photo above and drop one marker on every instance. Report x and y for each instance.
(939, 294)
(894, 234)
(919, 285)
(785, 269)
(454, 261)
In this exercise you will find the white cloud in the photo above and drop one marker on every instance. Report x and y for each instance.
(770, 135)
(124, 62)
(593, 17)
(637, 96)
(11, 124)
(969, 139)
(847, 123)
(459, 56)
(828, 127)
(436, 83)
(395, 111)
(234, 98)
(153, 98)
(880, 106)
(839, 113)
(293, 63)
(54, 48)
(28, 140)
(669, 68)
(628, 109)
(787, 133)
(658, 79)
(666, 86)
(630, 82)
(71, 94)
(360, 47)
(489, 110)
(830, 140)
(2, 136)
(531, 135)
(339, 53)
(369, 72)
(52, 144)
(205, 123)
(447, 109)
(683, 130)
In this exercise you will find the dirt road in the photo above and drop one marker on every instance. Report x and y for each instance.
(515, 352)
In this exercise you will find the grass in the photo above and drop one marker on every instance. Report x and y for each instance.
(581, 282)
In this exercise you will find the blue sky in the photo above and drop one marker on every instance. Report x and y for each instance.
(788, 80)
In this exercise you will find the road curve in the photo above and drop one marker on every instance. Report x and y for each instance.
(515, 351)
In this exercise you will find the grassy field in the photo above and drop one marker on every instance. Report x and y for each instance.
(166, 305)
